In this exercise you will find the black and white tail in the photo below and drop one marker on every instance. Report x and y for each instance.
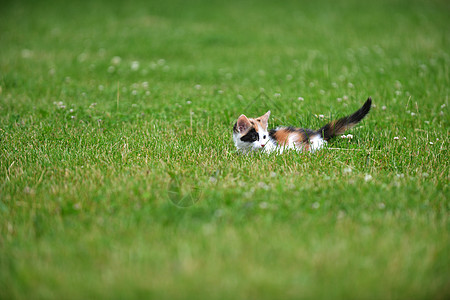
(339, 126)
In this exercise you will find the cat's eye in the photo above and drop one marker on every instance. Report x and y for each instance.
(264, 137)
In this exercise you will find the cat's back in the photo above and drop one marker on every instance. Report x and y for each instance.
(292, 137)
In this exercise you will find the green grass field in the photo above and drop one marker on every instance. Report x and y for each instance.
(119, 178)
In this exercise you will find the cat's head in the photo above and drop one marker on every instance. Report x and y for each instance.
(250, 134)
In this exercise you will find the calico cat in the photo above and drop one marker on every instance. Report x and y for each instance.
(251, 134)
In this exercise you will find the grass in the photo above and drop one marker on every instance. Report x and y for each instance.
(119, 179)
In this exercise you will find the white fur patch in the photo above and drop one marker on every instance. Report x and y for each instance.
(317, 143)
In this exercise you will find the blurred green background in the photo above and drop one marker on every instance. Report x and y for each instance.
(119, 177)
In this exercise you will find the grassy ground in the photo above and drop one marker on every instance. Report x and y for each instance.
(119, 179)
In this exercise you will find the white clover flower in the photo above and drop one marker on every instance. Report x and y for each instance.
(315, 205)
(111, 69)
(263, 205)
(134, 92)
(339, 99)
(300, 99)
(188, 102)
(395, 137)
(367, 178)
(116, 60)
(145, 85)
(347, 170)
(26, 53)
(263, 185)
(135, 65)
(218, 213)
(198, 86)
(350, 85)
(82, 57)
(431, 143)
(383, 107)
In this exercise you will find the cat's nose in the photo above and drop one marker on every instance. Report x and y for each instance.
(262, 145)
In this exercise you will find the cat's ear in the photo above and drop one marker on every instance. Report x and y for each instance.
(265, 118)
(243, 123)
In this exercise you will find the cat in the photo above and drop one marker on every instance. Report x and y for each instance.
(251, 134)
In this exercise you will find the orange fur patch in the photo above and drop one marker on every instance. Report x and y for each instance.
(256, 122)
(297, 137)
(282, 136)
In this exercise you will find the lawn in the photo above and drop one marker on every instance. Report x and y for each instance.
(118, 174)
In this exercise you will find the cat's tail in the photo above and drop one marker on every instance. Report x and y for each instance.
(339, 126)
